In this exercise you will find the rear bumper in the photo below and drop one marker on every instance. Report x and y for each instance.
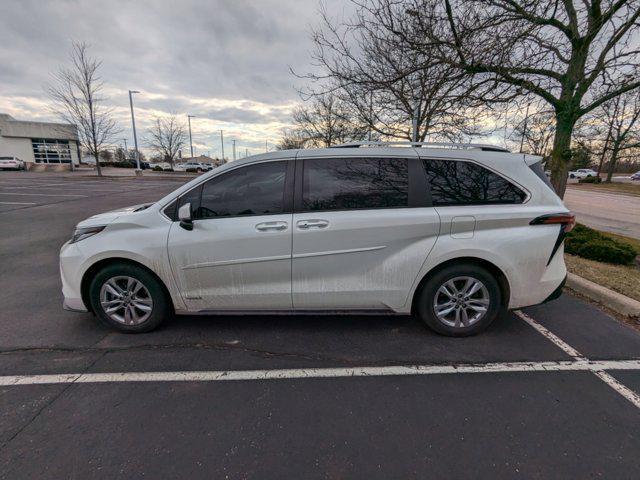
(557, 292)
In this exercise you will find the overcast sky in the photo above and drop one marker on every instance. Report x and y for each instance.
(227, 62)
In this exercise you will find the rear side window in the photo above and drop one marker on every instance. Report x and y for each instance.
(251, 190)
(538, 169)
(466, 183)
(355, 183)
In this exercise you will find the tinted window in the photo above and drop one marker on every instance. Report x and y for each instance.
(465, 183)
(252, 190)
(538, 169)
(353, 183)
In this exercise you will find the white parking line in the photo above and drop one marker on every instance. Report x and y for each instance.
(568, 349)
(43, 194)
(308, 373)
(17, 203)
(626, 392)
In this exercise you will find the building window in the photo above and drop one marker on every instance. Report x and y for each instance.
(51, 151)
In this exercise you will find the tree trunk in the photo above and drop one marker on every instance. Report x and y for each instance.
(97, 157)
(604, 150)
(612, 161)
(561, 153)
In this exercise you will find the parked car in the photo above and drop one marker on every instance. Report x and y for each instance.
(164, 166)
(456, 235)
(11, 163)
(635, 176)
(583, 173)
(179, 167)
(197, 167)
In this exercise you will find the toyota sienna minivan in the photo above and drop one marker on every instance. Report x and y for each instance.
(455, 234)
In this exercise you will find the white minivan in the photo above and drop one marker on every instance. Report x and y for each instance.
(455, 234)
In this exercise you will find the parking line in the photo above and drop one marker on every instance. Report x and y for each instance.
(626, 392)
(568, 349)
(17, 203)
(316, 373)
(44, 194)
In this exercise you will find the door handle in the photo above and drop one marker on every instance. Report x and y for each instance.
(271, 226)
(312, 223)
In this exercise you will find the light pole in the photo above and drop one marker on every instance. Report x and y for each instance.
(234, 149)
(133, 123)
(190, 140)
(524, 129)
(222, 145)
(126, 149)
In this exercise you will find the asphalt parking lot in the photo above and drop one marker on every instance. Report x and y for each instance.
(551, 392)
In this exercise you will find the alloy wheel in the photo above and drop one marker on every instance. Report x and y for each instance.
(126, 300)
(461, 301)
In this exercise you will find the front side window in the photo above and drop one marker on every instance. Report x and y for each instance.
(466, 183)
(355, 183)
(251, 190)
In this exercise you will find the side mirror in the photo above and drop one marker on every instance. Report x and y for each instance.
(184, 215)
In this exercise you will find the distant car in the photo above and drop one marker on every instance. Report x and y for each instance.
(179, 167)
(197, 167)
(635, 176)
(11, 163)
(164, 166)
(583, 173)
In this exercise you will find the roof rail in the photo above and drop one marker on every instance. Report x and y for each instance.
(460, 146)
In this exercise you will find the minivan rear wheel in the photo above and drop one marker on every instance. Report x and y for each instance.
(460, 300)
(128, 298)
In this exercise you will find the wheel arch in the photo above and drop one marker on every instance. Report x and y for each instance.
(503, 282)
(88, 275)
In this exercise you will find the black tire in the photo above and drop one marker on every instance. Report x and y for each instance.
(425, 302)
(161, 306)
(572, 176)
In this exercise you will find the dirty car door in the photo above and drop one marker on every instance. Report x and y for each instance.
(238, 255)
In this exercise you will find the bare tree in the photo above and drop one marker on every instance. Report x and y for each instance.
(535, 133)
(326, 121)
(291, 140)
(620, 117)
(77, 99)
(166, 137)
(574, 55)
(362, 62)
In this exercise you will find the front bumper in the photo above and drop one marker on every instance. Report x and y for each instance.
(74, 305)
(71, 261)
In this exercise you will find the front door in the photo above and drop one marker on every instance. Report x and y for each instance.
(238, 255)
(362, 230)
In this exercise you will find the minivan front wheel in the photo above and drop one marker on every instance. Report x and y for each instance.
(128, 298)
(460, 300)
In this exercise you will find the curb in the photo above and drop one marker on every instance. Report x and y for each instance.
(615, 301)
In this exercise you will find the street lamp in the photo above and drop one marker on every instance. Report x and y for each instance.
(190, 140)
(222, 145)
(133, 123)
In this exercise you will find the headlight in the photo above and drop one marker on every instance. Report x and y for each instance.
(84, 232)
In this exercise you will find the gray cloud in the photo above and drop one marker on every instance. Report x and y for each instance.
(184, 56)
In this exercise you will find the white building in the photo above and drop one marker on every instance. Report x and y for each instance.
(38, 142)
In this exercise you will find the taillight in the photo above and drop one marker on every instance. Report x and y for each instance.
(566, 219)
